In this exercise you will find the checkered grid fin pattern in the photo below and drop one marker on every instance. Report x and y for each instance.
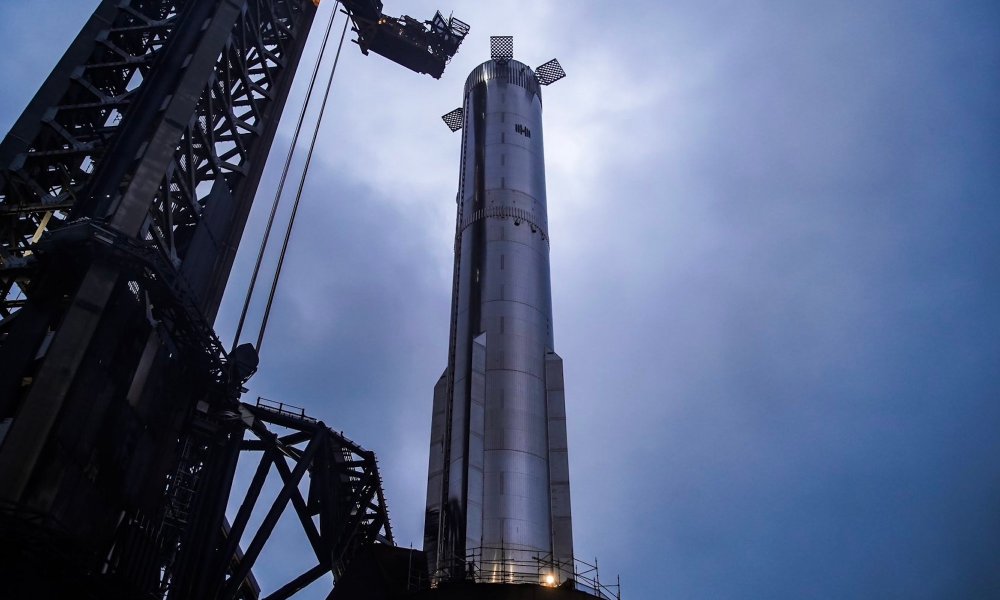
(501, 47)
(454, 119)
(550, 72)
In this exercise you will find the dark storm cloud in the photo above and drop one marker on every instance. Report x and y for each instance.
(801, 312)
(774, 246)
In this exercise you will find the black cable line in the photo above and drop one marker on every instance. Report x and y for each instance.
(281, 182)
(298, 193)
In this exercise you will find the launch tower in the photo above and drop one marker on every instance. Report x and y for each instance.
(124, 190)
(498, 501)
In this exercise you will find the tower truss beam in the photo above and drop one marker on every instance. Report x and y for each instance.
(344, 495)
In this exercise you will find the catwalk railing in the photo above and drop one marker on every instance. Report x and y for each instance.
(500, 564)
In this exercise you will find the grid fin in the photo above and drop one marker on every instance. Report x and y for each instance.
(454, 119)
(549, 72)
(501, 47)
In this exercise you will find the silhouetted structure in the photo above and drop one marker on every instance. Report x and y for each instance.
(124, 190)
(125, 187)
(423, 46)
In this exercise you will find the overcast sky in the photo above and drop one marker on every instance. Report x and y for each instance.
(775, 232)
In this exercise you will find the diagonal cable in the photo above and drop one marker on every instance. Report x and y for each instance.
(281, 182)
(298, 193)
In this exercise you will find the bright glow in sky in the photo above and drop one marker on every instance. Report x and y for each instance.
(775, 239)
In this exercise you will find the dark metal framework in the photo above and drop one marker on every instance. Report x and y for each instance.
(343, 511)
(549, 72)
(74, 131)
(454, 119)
(423, 46)
(501, 47)
(124, 189)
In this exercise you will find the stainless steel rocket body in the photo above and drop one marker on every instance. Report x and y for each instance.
(498, 486)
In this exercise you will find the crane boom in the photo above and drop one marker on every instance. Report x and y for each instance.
(422, 46)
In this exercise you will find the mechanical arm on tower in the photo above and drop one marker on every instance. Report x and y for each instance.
(422, 46)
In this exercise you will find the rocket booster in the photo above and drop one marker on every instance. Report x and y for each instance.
(498, 483)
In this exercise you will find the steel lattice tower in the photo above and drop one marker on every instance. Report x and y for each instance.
(124, 190)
